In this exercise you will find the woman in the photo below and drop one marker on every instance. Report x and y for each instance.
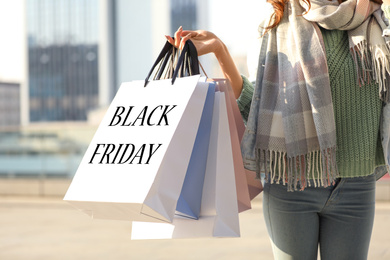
(314, 122)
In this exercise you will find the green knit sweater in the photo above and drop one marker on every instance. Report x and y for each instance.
(357, 110)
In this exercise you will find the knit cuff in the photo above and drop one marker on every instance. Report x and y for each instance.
(386, 10)
(245, 99)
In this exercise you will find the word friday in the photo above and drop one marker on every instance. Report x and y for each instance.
(123, 153)
(153, 116)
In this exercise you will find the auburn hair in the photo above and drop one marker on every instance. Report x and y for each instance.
(277, 15)
(279, 5)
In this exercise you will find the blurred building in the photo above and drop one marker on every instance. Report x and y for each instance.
(9, 104)
(75, 53)
(184, 13)
(73, 56)
(62, 59)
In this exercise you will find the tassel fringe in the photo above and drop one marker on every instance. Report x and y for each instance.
(317, 168)
(373, 64)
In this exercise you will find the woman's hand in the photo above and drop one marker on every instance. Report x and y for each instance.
(204, 41)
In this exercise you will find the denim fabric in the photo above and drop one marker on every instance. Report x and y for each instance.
(338, 219)
(385, 135)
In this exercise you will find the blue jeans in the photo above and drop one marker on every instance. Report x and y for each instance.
(337, 219)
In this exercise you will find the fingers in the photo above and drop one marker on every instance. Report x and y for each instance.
(183, 40)
(170, 39)
(180, 38)
(185, 33)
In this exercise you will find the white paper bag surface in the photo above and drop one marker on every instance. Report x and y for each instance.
(135, 164)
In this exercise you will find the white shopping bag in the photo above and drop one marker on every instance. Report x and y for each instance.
(219, 209)
(135, 166)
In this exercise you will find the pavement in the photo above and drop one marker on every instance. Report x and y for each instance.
(48, 228)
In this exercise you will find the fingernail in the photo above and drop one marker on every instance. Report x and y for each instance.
(181, 28)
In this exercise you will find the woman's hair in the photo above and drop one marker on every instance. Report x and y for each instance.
(278, 6)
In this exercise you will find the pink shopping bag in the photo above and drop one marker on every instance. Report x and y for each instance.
(248, 185)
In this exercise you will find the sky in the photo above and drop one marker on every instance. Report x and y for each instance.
(11, 40)
(236, 22)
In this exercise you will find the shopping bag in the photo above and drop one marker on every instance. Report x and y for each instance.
(244, 202)
(219, 209)
(135, 165)
(248, 187)
(255, 186)
(190, 198)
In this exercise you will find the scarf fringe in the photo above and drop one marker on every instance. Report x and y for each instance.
(373, 64)
(381, 70)
(317, 168)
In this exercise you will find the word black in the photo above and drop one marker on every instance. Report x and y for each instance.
(152, 116)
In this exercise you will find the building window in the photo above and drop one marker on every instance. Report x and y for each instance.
(63, 58)
(9, 104)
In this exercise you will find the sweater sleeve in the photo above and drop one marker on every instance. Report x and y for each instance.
(245, 99)
(386, 10)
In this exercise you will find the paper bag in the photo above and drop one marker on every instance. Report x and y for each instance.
(190, 198)
(135, 165)
(219, 209)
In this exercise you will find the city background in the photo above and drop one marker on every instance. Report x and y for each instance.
(61, 63)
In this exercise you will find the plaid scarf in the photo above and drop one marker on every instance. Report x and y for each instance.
(296, 132)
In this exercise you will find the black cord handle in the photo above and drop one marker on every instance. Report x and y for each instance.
(165, 52)
(189, 52)
(187, 63)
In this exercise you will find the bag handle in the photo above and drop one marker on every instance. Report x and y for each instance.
(191, 67)
(187, 63)
(165, 52)
(171, 53)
